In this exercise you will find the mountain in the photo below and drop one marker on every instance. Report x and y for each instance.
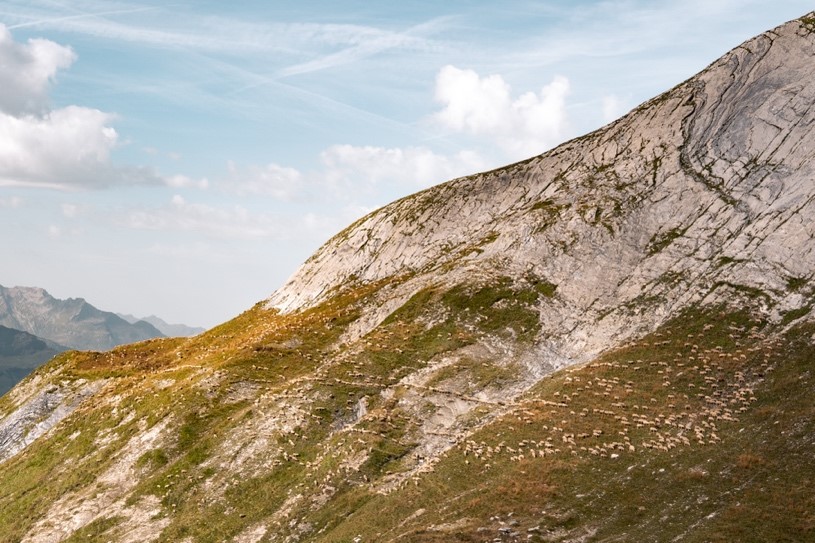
(612, 341)
(169, 330)
(73, 322)
(20, 354)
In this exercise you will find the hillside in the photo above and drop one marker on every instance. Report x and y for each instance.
(20, 354)
(612, 341)
(73, 322)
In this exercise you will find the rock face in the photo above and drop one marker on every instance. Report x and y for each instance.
(700, 194)
(39, 414)
(612, 341)
(73, 323)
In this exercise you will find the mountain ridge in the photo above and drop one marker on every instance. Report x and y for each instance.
(611, 341)
(20, 354)
(73, 322)
(558, 188)
(169, 330)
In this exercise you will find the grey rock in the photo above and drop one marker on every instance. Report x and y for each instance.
(702, 194)
(38, 414)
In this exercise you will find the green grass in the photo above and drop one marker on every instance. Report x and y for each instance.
(152, 460)
(670, 406)
(751, 292)
(745, 486)
(97, 531)
(36, 478)
(468, 376)
(546, 212)
(661, 240)
(727, 260)
(795, 314)
(797, 283)
(500, 306)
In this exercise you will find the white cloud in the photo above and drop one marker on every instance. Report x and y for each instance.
(62, 148)
(182, 182)
(484, 106)
(231, 222)
(70, 211)
(26, 71)
(613, 108)
(279, 182)
(353, 174)
(65, 148)
(12, 202)
(416, 167)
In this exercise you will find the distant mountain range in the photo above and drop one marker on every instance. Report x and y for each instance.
(169, 330)
(20, 354)
(74, 323)
(35, 327)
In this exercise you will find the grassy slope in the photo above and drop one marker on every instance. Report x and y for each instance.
(702, 431)
(747, 475)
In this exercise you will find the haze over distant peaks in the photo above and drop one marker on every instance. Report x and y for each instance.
(169, 330)
(20, 354)
(73, 323)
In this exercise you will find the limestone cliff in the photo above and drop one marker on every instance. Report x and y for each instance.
(700, 194)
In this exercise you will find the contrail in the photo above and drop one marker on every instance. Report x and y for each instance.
(41, 22)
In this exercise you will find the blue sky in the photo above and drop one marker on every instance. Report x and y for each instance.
(182, 158)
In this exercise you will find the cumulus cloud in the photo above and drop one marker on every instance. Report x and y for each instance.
(484, 106)
(26, 72)
(65, 147)
(62, 148)
(416, 167)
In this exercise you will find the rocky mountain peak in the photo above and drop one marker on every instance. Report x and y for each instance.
(700, 194)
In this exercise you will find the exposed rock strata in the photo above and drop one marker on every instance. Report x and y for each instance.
(701, 194)
(38, 414)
